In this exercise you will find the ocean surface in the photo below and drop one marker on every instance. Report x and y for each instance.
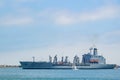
(21, 74)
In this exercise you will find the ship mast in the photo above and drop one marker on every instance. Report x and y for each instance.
(50, 59)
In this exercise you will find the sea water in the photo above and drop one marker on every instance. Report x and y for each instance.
(42, 74)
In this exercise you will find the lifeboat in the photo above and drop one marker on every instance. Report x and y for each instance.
(94, 61)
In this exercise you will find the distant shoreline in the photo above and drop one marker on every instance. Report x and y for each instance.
(6, 66)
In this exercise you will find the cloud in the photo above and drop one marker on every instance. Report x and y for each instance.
(11, 20)
(114, 33)
(67, 17)
(102, 13)
(61, 17)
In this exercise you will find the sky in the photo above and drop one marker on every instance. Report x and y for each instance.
(41, 28)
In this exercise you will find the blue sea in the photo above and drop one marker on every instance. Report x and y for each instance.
(22, 74)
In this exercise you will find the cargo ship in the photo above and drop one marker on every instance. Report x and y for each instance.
(91, 60)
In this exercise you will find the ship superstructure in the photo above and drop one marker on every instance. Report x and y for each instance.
(90, 60)
(93, 58)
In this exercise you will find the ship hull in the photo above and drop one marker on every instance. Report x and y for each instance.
(47, 65)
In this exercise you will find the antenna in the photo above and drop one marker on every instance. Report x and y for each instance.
(95, 38)
(33, 59)
(94, 46)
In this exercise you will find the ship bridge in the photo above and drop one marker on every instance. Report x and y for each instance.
(93, 58)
